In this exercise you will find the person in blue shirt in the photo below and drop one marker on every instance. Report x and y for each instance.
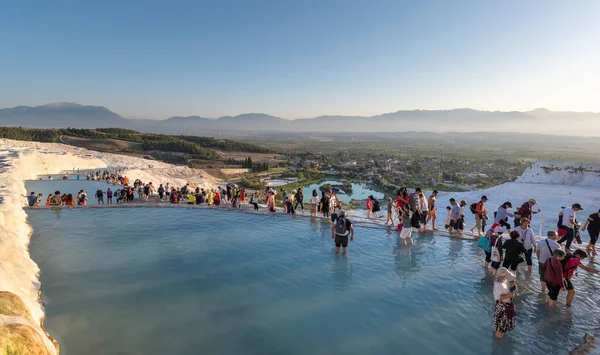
(31, 199)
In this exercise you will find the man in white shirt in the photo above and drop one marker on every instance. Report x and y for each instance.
(569, 222)
(544, 251)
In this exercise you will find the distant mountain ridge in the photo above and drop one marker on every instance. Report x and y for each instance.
(62, 115)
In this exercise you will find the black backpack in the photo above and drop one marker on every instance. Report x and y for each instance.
(340, 226)
(473, 207)
(99, 193)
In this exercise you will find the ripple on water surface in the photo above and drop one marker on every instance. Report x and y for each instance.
(179, 281)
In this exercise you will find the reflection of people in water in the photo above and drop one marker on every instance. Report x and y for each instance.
(341, 271)
(455, 247)
(405, 259)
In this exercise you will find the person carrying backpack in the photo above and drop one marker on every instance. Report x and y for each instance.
(527, 238)
(568, 219)
(100, 196)
(478, 209)
(496, 252)
(340, 231)
(545, 250)
(161, 192)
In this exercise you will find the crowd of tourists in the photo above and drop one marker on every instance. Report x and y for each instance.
(506, 245)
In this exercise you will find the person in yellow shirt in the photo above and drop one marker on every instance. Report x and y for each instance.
(191, 199)
(209, 197)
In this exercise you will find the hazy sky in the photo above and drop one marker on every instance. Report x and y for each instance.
(301, 58)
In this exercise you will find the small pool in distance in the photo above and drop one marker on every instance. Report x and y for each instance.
(359, 192)
(199, 281)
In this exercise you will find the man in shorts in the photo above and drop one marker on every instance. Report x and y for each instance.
(544, 251)
(454, 215)
(340, 231)
(480, 216)
(592, 223)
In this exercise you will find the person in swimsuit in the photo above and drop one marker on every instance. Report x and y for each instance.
(432, 210)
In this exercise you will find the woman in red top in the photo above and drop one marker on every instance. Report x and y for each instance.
(554, 277)
(571, 263)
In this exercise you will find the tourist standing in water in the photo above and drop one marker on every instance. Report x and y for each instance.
(70, 200)
(56, 200)
(31, 199)
(527, 238)
(109, 196)
(592, 223)
(447, 225)
(525, 211)
(406, 220)
(454, 215)
(553, 276)
(544, 251)
(283, 199)
(432, 210)
(299, 200)
(514, 248)
(390, 214)
(480, 215)
(100, 196)
(501, 216)
(369, 206)
(376, 207)
(496, 251)
(570, 264)
(324, 206)
(161, 192)
(504, 311)
(314, 203)
(254, 200)
(340, 231)
(424, 210)
(569, 223)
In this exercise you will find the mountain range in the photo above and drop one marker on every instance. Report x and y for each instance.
(62, 115)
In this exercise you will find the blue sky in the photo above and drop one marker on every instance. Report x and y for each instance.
(155, 59)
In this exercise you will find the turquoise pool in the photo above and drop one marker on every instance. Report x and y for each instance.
(200, 281)
(359, 192)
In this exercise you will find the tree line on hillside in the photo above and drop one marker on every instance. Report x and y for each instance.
(199, 147)
(225, 144)
(258, 167)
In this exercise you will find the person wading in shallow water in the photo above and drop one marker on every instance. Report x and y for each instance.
(504, 293)
(544, 251)
(340, 231)
(592, 223)
(432, 210)
(570, 264)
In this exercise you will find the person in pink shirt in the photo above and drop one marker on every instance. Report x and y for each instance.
(570, 264)
(369, 207)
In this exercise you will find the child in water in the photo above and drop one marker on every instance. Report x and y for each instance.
(448, 219)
